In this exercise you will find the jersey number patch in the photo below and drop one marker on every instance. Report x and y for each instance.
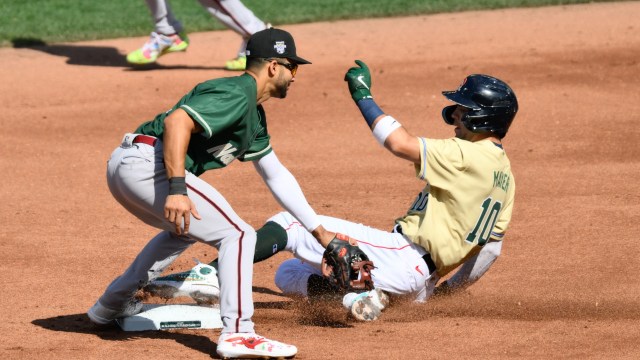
(485, 223)
(421, 202)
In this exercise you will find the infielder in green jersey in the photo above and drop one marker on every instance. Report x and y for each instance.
(154, 174)
(458, 220)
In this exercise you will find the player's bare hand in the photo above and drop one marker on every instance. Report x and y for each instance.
(178, 209)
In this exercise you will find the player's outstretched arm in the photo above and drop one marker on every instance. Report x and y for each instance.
(287, 192)
(403, 145)
(385, 128)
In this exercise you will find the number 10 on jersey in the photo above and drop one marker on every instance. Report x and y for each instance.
(485, 223)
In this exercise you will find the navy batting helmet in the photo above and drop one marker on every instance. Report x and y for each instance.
(492, 104)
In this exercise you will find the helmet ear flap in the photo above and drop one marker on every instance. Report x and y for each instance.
(447, 113)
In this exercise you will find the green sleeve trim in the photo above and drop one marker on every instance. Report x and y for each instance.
(257, 154)
(199, 119)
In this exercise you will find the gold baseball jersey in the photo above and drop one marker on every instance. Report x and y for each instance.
(468, 199)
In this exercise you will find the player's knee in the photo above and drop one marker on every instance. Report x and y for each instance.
(286, 273)
(292, 277)
(247, 233)
(493, 248)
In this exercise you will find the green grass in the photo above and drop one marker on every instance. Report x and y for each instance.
(52, 21)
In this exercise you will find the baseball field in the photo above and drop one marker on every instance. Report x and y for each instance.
(565, 286)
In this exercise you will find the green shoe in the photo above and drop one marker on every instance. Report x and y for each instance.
(237, 64)
(156, 46)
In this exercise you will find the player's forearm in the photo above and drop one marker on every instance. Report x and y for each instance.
(286, 190)
(288, 193)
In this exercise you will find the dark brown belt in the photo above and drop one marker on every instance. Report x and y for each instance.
(427, 257)
(145, 139)
(430, 264)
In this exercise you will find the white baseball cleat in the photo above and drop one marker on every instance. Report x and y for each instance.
(250, 345)
(200, 283)
(100, 315)
(379, 298)
(366, 306)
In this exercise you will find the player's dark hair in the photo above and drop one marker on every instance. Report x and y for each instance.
(254, 63)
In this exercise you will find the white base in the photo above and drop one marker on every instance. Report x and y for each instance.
(165, 317)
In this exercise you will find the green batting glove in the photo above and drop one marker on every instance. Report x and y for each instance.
(359, 80)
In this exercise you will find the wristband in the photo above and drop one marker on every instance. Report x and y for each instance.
(384, 128)
(370, 110)
(177, 186)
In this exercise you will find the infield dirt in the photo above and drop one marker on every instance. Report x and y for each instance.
(566, 285)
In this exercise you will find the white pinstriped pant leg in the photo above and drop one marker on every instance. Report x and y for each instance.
(137, 179)
(400, 268)
(165, 22)
(237, 17)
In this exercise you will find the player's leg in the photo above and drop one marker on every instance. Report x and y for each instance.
(271, 239)
(399, 264)
(135, 182)
(137, 179)
(292, 278)
(118, 300)
(281, 232)
(167, 37)
(236, 241)
(201, 282)
(302, 277)
(300, 280)
(237, 17)
(400, 268)
(284, 232)
(165, 22)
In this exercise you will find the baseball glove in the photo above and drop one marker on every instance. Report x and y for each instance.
(346, 266)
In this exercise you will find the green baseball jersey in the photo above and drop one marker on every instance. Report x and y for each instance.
(467, 200)
(234, 125)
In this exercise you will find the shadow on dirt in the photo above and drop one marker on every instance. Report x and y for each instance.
(79, 323)
(96, 56)
(264, 290)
